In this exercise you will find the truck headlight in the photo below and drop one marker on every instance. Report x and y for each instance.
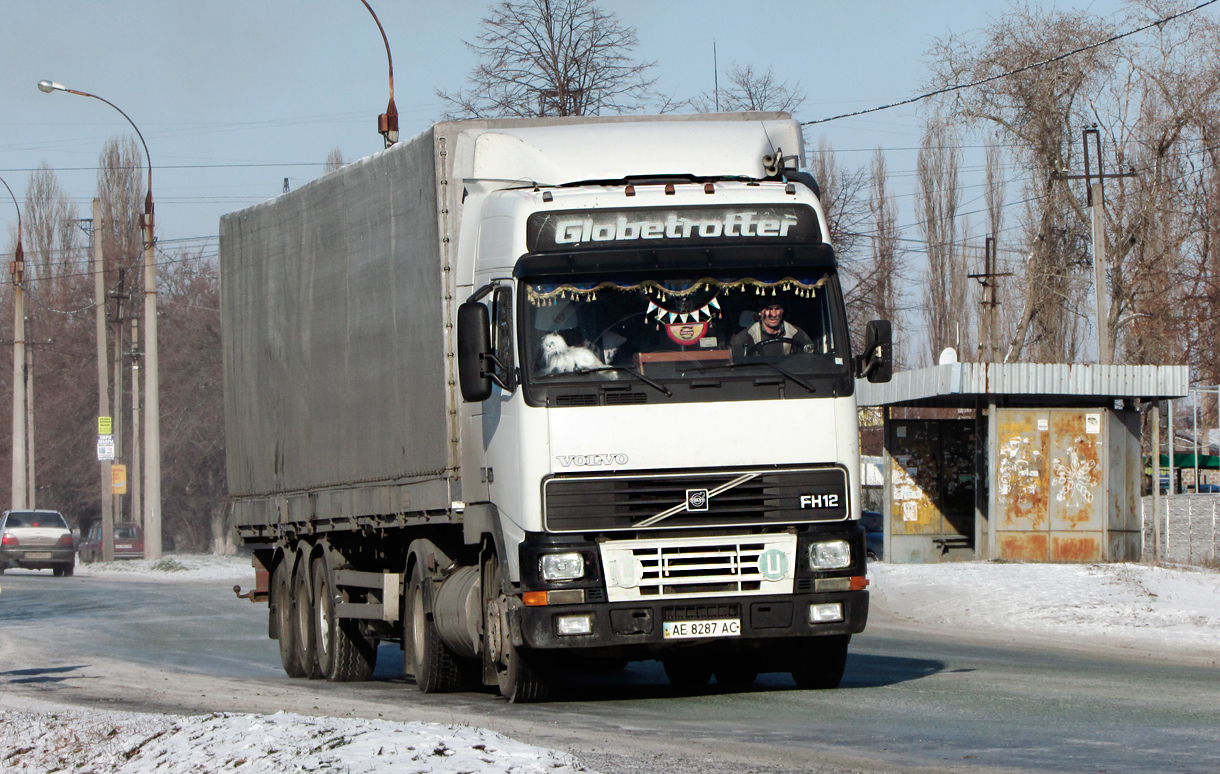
(829, 555)
(562, 567)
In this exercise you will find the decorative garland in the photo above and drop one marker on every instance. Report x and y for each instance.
(571, 292)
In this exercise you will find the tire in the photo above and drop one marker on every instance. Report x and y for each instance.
(821, 661)
(58, 571)
(306, 634)
(69, 569)
(285, 618)
(436, 668)
(688, 672)
(344, 654)
(518, 673)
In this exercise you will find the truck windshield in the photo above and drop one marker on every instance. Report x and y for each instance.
(684, 327)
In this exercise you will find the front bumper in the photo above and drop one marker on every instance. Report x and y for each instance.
(637, 626)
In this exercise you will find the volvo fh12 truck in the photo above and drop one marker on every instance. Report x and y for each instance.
(534, 395)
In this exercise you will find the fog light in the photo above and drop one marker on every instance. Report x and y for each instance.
(830, 555)
(825, 612)
(562, 567)
(567, 625)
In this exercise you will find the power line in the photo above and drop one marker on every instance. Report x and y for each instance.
(988, 79)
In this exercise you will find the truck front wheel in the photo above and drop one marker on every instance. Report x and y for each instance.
(820, 661)
(520, 678)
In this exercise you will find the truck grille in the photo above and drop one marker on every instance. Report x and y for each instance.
(700, 566)
(609, 502)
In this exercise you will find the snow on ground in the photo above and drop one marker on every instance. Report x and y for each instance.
(174, 568)
(72, 741)
(1129, 605)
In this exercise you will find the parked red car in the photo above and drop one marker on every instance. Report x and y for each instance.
(128, 543)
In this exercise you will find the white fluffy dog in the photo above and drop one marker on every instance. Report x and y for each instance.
(560, 358)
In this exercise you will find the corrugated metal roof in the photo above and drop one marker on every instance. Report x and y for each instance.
(1041, 379)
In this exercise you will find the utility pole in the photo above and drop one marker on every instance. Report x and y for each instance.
(134, 475)
(990, 280)
(1095, 197)
(30, 491)
(120, 295)
(103, 398)
(17, 272)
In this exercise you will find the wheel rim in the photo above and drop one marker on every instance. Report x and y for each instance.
(417, 620)
(324, 623)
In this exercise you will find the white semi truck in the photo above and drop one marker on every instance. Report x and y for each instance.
(528, 395)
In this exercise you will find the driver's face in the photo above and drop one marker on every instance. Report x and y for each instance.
(772, 318)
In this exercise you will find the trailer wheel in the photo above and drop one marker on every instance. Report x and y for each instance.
(436, 668)
(285, 618)
(306, 633)
(821, 661)
(688, 671)
(344, 654)
(520, 677)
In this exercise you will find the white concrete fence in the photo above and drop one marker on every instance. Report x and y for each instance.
(1189, 529)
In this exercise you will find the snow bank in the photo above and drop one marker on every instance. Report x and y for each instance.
(72, 741)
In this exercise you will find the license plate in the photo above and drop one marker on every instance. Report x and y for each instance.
(38, 555)
(717, 627)
(123, 546)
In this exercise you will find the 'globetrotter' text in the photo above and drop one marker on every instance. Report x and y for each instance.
(734, 224)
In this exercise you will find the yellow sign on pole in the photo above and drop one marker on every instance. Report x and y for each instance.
(105, 426)
(118, 479)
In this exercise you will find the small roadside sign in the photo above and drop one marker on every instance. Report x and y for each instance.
(105, 426)
(105, 447)
(118, 479)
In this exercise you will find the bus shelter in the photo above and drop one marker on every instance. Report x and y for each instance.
(1015, 461)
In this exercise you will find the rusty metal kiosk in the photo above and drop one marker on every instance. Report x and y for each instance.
(1039, 462)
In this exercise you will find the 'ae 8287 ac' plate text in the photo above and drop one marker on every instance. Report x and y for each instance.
(717, 627)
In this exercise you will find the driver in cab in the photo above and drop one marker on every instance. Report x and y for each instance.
(770, 335)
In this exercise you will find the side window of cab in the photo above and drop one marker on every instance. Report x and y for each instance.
(502, 336)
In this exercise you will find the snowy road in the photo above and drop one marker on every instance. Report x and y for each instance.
(964, 668)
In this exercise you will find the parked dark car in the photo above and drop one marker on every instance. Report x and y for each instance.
(874, 534)
(128, 543)
(36, 540)
(1208, 489)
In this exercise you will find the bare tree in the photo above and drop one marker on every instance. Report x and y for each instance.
(937, 200)
(334, 161)
(552, 58)
(749, 89)
(882, 285)
(1037, 111)
(121, 186)
(49, 232)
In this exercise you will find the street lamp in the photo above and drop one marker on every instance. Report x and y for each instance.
(152, 387)
(17, 270)
(387, 122)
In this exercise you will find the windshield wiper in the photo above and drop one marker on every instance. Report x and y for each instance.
(773, 366)
(655, 385)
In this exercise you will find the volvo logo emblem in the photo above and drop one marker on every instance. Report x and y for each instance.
(696, 499)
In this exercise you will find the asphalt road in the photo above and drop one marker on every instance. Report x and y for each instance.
(913, 698)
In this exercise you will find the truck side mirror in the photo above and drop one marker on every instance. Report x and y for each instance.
(474, 350)
(876, 363)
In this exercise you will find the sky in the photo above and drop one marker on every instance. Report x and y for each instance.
(1131, 608)
(233, 97)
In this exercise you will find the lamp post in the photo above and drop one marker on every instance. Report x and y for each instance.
(17, 270)
(387, 122)
(152, 387)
